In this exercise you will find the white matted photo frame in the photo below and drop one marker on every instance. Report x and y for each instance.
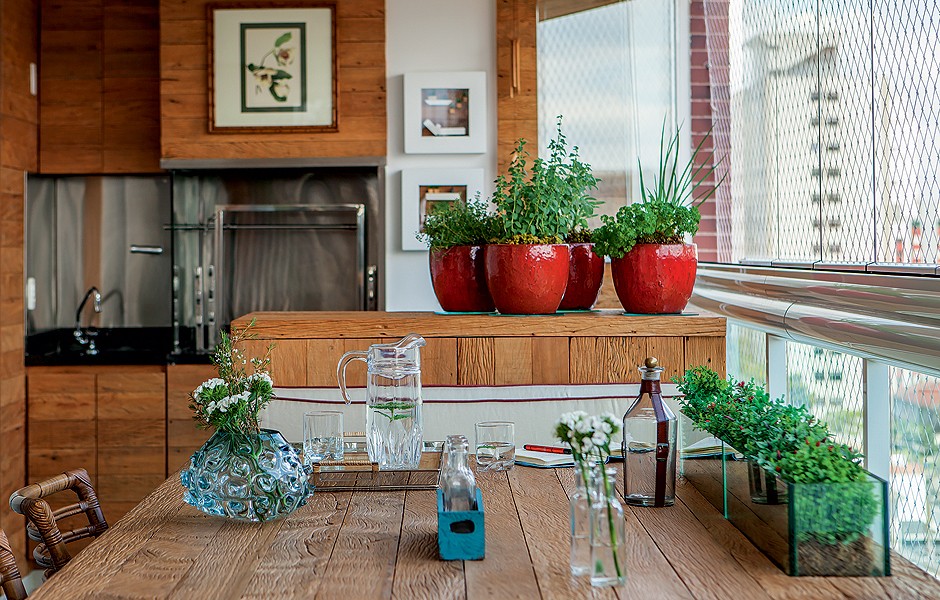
(445, 113)
(272, 65)
(421, 189)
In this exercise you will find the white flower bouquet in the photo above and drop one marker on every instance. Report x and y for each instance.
(234, 400)
(589, 438)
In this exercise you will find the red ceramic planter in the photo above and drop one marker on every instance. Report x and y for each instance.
(655, 278)
(459, 278)
(527, 279)
(585, 276)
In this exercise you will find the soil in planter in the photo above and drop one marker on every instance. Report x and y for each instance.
(841, 560)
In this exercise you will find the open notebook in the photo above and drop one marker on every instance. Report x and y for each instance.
(708, 447)
(531, 458)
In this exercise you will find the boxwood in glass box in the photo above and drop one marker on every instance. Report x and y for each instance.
(798, 495)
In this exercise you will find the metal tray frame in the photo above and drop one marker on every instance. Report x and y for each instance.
(356, 473)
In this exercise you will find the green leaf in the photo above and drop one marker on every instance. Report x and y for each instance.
(283, 39)
(274, 93)
(279, 74)
(253, 67)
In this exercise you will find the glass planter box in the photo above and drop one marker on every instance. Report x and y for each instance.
(828, 529)
(703, 470)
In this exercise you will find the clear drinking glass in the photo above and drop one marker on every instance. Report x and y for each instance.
(323, 436)
(496, 445)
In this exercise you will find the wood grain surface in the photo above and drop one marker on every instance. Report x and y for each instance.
(384, 545)
(604, 346)
(391, 325)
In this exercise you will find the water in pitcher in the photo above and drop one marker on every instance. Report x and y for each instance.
(393, 419)
(394, 430)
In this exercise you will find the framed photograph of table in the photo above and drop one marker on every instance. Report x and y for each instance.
(423, 189)
(445, 113)
(272, 66)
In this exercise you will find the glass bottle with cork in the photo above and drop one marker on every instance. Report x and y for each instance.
(649, 444)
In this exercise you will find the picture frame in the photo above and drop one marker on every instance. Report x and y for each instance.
(272, 66)
(421, 188)
(445, 112)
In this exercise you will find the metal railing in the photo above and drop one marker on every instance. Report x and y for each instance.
(854, 349)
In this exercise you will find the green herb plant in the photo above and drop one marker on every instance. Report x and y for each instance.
(541, 201)
(456, 224)
(387, 410)
(669, 208)
(790, 442)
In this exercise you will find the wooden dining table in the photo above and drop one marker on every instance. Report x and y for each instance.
(368, 544)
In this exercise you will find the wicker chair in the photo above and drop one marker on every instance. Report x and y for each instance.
(10, 580)
(51, 554)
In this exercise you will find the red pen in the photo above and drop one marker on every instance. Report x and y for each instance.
(552, 449)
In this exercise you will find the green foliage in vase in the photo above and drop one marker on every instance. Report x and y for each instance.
(668, 210)
(456, 224)
(791, 443)
(544, 201)
(233, 401)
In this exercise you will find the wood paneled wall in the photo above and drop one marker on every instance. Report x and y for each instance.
(19, 116)
(517, 79)
(476, 361)
(600, 347)
(184, 99)
(99, 86)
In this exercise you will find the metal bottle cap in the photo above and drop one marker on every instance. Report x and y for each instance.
(651, 369)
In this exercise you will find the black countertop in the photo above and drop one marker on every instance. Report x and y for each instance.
(116, 346)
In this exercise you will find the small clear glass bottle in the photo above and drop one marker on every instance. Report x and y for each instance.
(649, 444)
(608, 531)
(581, 522)
(458, 484)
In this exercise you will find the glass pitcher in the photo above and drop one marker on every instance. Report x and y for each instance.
(394, 429)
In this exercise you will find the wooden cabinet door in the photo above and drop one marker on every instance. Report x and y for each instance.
(61, 421)
(131, 435)
(183, 437)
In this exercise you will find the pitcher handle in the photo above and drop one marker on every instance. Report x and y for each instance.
(341, 369)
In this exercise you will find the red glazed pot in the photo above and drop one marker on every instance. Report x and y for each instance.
(655, 278)
(459, 278)
(585, 276)
(527, 279)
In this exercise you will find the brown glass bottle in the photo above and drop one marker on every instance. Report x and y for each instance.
(649, 444)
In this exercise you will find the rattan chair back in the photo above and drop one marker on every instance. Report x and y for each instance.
(42, 522)
(10, 581)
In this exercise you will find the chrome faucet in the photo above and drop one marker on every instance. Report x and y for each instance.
(87, 338)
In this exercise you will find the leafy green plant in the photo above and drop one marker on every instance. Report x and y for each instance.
(669, 208)
(580, 235)
(456, 224)
(790, 442)
(542, 202)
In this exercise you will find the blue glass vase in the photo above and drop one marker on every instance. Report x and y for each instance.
(246, 476)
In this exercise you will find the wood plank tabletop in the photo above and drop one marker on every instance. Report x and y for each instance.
(384, 545)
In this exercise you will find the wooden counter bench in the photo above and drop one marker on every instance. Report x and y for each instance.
(597, 347)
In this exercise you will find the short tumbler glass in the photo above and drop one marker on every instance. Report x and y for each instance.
(323, 436)
(496, 445)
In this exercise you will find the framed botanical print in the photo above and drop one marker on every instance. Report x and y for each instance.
(272, 65)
